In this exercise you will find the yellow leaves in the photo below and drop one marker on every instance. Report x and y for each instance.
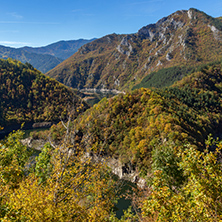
(199, 199)
(63, 197)
(156, 202)
(168, 128)
(184, 135)
(35, 201)
(142, 147)
(76, 188)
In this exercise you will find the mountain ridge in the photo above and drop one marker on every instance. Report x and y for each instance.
(121, 61)
(43, 58)
(41, 62)
(61, 49)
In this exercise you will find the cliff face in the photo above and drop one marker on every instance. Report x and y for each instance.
(187, 37)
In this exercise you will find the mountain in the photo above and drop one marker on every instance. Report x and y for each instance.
(41, 62)
(27, 95)
(43, 58)
(129, 127)
(61, 49)
(154, 133)
(166, 139)
(184, 38)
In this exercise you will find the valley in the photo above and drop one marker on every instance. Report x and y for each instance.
(143, 107)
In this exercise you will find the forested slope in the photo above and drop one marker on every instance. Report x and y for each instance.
(130, 126)
(27, 95)
(158, 133)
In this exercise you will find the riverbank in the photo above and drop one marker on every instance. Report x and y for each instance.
(95, 90)
(27, 126)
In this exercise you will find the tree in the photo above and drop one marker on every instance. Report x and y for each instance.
(13, 158)
(67, 185)
(199, 199)
(165, 159)
(43, 167)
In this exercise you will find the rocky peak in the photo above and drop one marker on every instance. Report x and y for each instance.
(190, 13)
(125, 47)
(182, 38)
(165, 25)
(175, 21)
(217, 33)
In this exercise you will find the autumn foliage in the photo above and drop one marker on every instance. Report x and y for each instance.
(62, 185)
(27, 95)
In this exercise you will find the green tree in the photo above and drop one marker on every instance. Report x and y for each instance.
(13, 157)
(43, 166)
(166, 160)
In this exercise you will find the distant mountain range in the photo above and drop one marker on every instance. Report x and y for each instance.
(44, 58)
(61, 49)
(185, 38)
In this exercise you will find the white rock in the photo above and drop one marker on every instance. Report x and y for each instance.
(189, 13)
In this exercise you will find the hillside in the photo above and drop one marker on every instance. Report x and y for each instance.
(157, 134)
(184, 38)
(164, 133)
(129, 127)
(29, 96)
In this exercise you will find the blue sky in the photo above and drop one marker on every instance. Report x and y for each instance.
(41, 22)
